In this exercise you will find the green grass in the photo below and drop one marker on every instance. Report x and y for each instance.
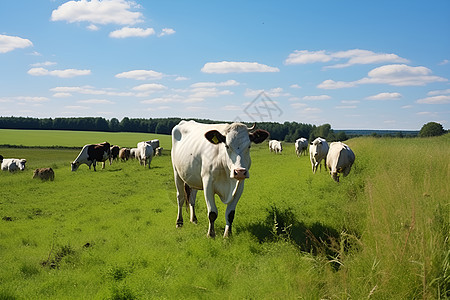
(381, 233)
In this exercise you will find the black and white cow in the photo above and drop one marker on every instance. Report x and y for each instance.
(91, 154)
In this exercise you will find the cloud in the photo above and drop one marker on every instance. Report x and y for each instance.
(166, 31)
(316, 98)
(181, 78)
(93, 27)
(395, 75)
(295, 86)
(44, 64)
(275, 92)
(441, 99)
(127, 32)
(236, 67)
(10, 43)
(68, 73)
(385, 96)
(141, 75)
(62, 95)
(214, 84)
(31, 99)
(351, 57)
(208, 92)
(150, 87)
(98, 12)
(444, 62)
(88, 90)
(96, 101)
(439, 92)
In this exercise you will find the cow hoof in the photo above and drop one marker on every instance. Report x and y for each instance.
(179, 224)
(211, 235)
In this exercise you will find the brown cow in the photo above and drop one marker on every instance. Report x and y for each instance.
(44, 174)
(124, 154)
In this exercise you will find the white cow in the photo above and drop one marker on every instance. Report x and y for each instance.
(13, 164)
(340, 159)
(134, 153)
(214, 158)
(144, 153)
(301, 145)
(155, 144)
(318, 150)
(275, 146)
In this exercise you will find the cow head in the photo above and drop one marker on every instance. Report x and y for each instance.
(236, 147)
(74, 166)
(22, 164)
(316, 145)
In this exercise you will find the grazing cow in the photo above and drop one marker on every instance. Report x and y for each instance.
(44, 174)
(301, 146)
(275, 146)
(13, 164)
(114, 153)
(134, 153)
(144, 153)
(318, 150)
(91, 154)
(340, 159)
(155, 144)
(124, 154)
(158, 151)
(214, 158)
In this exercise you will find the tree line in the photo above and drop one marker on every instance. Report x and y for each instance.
(287, 131)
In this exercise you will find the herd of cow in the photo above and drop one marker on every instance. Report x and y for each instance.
(337, 156)
(214, 158)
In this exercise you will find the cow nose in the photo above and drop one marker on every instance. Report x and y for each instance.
(240, 174)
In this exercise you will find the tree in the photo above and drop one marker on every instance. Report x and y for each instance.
(431, 129)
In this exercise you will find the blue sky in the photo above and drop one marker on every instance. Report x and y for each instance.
(352, 64)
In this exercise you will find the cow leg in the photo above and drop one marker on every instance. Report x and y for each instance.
(231, 209)
(179, 183)
(94, 163)
(192, 197)
(212, 209)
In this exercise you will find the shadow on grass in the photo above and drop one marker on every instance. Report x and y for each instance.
(316, 239)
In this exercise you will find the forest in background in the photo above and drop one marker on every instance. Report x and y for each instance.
(287, 131)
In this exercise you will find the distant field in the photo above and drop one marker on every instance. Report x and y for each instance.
(48, 138)
(381, 233)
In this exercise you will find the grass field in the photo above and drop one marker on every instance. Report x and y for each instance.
(381, 233)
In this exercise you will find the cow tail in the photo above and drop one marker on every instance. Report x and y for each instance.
(187, 194)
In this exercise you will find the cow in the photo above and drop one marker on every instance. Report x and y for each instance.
(318, 150)
(124, 154)
(1, 159)
(158, 151)
(155, 144)
(301, 146)
(214, 158)
(144, 153)
(114, 153)
(340, 159)
(91, 154)
(13, 164)
(275, 146)
(44, 174)
(134, 153)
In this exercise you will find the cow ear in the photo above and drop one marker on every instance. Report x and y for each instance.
(258, 136)
(215, 137)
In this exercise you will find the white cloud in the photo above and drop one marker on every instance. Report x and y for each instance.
(444, 62)
(93, 27)
(275, 92)
(298, 105)
(396, 75)
(98, 12)
(295, 86)
(385, 96)
(141, 75)
(62, 95)
(127, 32)
(346, 106)
(68, 73)
(316, 98)
(214, 84)
(181, 78)
(441, 99)
(236, 67)
(88, 90)
(439, 92)
(31, 99)
(10, 43)
(166, 31)
(44, 64)
(203, 92)
(351, 57)
(149, 87)
(96, 101)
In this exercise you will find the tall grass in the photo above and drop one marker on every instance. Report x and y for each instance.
(381, 233)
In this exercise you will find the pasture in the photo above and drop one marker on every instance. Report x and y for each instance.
(381, 233)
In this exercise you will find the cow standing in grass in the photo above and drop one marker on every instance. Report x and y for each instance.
(214, 158)
(301, 146)
(91, 154)
(340, 159)
(318, 150)
(13, 164)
